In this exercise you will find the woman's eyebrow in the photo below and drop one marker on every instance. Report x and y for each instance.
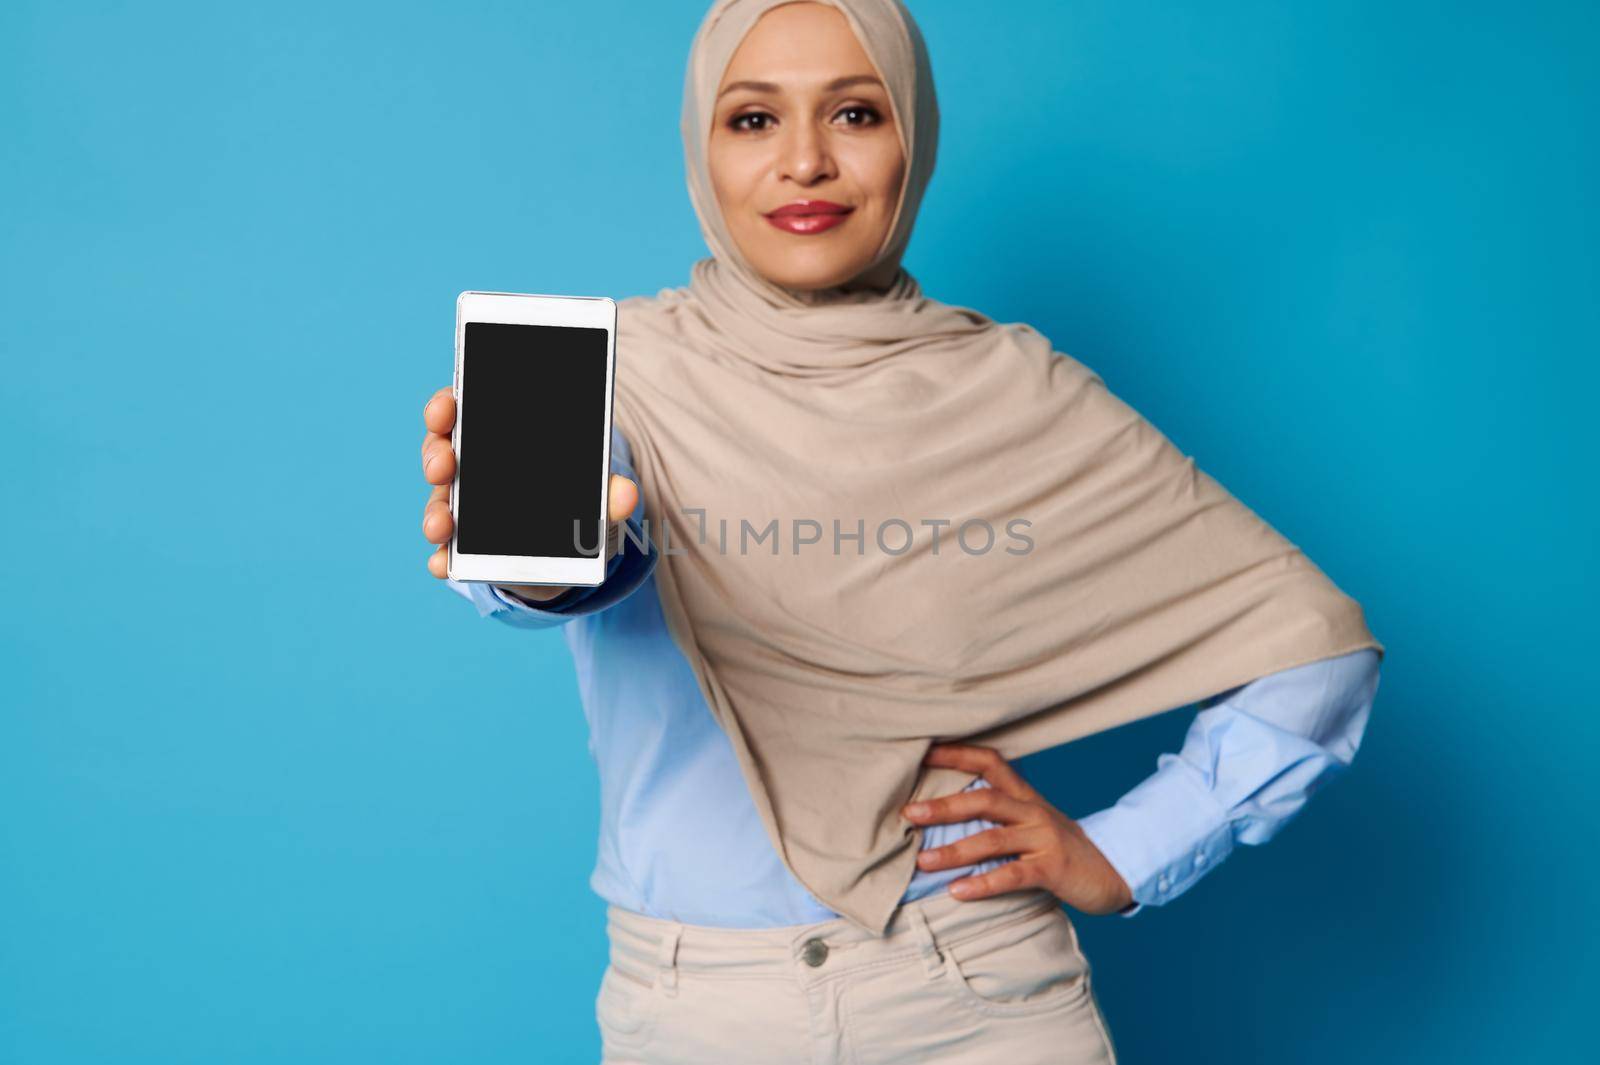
(767, 86)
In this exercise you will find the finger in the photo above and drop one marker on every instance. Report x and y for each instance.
(430, 441)
(439, 414)
(439, 461)
(1012, 876)
(439, 562)
(624, 497)
(986, 762)
(437, 524)
(990, 804)
(990, 843)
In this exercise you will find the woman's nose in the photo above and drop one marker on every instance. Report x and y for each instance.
(805, 157)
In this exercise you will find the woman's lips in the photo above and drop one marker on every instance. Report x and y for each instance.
(808, 216)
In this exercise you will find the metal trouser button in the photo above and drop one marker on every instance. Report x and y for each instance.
(815, 953)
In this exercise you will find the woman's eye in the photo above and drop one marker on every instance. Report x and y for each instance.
(740, 122)
(862, 116)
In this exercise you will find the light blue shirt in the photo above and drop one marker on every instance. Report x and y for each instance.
(680, 837)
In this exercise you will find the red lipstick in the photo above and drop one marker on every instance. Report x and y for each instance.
(808, 216)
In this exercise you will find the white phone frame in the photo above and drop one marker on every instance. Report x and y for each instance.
(517, 308)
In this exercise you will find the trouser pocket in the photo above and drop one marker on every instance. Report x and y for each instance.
(626, 1006)
(1024, 966)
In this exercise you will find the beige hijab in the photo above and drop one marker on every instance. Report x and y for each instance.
(883, 432)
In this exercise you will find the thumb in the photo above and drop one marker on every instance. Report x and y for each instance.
(624, 497)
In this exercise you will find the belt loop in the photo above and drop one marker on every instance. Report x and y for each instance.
(667, 958)
(932, 957)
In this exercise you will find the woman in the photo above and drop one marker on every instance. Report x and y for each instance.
(762, 901)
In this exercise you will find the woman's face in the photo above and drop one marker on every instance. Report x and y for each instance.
(803, 127)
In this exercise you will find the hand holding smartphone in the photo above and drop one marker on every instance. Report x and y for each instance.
(518, 448)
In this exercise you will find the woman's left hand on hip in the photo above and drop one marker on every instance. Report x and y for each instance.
(1052, 851)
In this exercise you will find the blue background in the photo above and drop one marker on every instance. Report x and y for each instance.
(269, 793)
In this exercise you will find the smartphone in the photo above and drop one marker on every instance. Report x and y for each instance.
(533, 385)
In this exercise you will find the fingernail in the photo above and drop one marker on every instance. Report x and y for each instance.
(960, 887)
(917, 809)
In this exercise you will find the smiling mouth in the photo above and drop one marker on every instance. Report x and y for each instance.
(804, 217)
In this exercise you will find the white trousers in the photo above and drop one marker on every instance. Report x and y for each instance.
(994, 981)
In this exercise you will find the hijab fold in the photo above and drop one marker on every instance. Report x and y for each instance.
(894, 521)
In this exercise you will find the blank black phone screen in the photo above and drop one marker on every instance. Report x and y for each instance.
(533, 414)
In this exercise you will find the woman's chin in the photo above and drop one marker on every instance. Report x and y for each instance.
(822, 276)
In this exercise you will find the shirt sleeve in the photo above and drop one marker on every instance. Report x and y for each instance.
(626, 571)
(1252, 758)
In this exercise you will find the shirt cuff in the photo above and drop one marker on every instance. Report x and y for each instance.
(1162, 836)
(557, 605)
